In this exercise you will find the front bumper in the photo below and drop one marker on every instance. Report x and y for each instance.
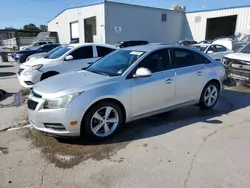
(30, 80)
(239, 75)
(54, 121)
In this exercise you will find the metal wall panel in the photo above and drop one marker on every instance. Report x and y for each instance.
(199, 29)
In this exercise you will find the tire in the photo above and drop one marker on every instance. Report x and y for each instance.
(48, 74)
(204, 100)
(90, 123)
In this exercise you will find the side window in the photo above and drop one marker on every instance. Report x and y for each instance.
(83, 53)
(47, 48)
(37, 44)
(183, 58)
(42, 43)
(201, 59)
(156, 61)
(212, 48)
(221, 48)
(103, 51)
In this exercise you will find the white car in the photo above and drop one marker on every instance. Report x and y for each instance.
(238, 64)
(215, 51)
(68, 58)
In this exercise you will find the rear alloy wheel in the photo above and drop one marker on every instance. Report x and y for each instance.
(209, 96)
(102, 120)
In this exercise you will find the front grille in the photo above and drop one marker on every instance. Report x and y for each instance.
(239, 65)
(32, 104)
(20, 71)
(54, 126)
(35, 94)
(239, 74)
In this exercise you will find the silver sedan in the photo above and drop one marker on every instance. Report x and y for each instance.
(126, 85)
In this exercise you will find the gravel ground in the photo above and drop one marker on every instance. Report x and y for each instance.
(185, 148)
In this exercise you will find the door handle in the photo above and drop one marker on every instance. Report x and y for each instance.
(168, 81)
(199, 73)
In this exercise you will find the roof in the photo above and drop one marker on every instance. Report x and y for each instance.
(202, 44)
(209, 10)
(98, 2)
(148, 47)
(92, 44)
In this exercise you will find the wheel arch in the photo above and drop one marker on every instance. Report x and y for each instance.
(112, 100)
(101, 100)
(218, 83)
(49, 73)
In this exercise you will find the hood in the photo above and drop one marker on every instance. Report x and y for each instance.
(42, 54)
(73, 82)
(36, 62)
(26, 51)
(239, 56)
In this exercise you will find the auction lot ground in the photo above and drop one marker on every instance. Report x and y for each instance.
(183, 148)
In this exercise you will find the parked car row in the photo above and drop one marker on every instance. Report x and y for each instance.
(66, 58)
(91, 90)
(22, 55)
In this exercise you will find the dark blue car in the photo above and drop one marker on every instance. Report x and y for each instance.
(21, 56)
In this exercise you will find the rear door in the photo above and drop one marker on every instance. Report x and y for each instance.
(190, 74)
(81, 58)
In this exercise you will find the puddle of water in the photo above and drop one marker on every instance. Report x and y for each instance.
(66, 153)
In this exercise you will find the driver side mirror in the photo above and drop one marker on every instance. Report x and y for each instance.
(142, 72)
(210, 52)
(68, 58)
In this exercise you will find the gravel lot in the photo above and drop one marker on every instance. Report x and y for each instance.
(186, 148)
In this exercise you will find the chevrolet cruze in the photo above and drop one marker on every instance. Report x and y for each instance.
(126, 85)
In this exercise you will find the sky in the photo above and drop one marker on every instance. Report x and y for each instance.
(17, 13)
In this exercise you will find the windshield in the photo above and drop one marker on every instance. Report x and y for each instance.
(200, 47)
(59, 52)
(245, 49)
(55, 49)
(116, 63)
(33, 48)
(245, 38)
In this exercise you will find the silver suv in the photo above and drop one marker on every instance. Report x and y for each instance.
(126, 85)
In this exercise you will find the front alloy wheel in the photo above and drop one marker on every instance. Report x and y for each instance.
(102, 120)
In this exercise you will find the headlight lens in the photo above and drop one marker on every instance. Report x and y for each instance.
(18, 55)
(32, 69)
(60, 102)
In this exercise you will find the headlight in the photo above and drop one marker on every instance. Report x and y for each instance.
(32, 69)
(18, 55)
(60, 102)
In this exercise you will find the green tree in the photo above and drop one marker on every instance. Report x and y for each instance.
(31, 27)
(43, 28)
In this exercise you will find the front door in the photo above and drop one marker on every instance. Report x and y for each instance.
(157, 91)
(190, 74)
(81, 58)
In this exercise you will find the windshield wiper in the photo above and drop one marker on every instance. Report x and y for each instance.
(97, 72)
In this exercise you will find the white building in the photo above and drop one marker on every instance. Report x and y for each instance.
(111, 22)
(210, 24)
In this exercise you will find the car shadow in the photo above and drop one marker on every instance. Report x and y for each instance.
(5, 74)
(6, 66)
(231, 100)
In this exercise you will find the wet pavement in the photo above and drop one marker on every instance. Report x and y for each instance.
(188, 147)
